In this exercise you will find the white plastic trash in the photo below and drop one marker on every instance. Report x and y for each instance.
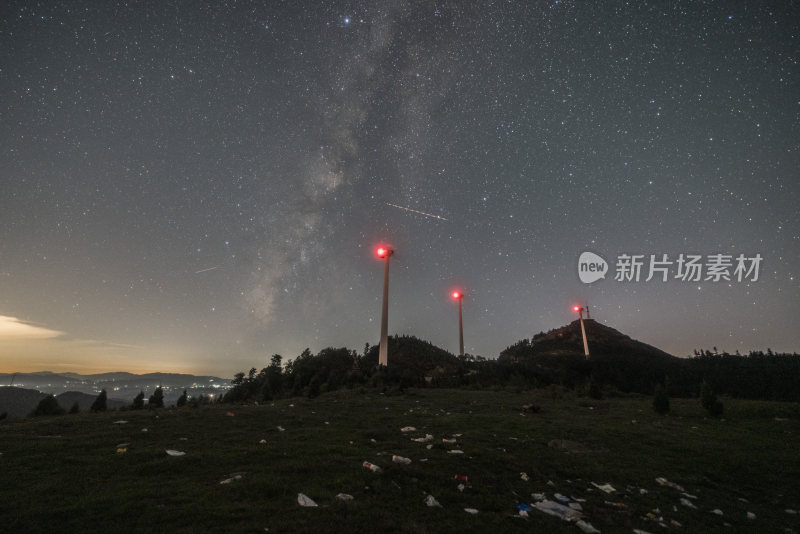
(557, 509)
(472, 511)
(372, 467)
(401, 459)
(431, 501)
(304, 500)
(608, 488)
(407, 429)
(173, 452)
(344, 497)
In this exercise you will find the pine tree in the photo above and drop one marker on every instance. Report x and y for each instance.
(157, 398)
(138, 401)
(100, 404)
(182, 399)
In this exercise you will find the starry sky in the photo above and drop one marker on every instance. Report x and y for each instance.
(194, 186)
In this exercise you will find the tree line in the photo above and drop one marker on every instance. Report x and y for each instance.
(416, 363)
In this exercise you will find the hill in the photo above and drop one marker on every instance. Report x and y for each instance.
(568, 341)
(120, 385)
(18, 402)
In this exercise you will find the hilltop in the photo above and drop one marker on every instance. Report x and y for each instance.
(568, 341)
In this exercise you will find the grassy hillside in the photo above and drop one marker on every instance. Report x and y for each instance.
(66, 474)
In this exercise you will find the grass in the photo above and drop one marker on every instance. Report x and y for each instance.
(65, 474)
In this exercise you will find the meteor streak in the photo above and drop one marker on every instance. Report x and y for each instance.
(416, 211)
(206, 270)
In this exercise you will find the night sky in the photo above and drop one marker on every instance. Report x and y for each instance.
(194, 186)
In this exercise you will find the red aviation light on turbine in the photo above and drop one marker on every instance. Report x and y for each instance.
(457, 295)
(384, 250)
(576, 309)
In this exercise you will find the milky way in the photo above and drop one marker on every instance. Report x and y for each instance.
(195, 187)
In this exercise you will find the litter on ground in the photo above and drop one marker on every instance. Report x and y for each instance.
(608, 488)
(263, 442)
(461, 478)
(431, 501)
(120, 422)
(471, 510)
(524, 476)
(229, 414)
(372, 467)
(304, 500)
(344, 497)
(173, 452)
(558, 510)
(751, 515)
(401, 459)
(664, 482)
(407, 429)
(427, 438)
(688, 503)
(121, 450)
(717, 511)
(455, 451)
(231, 478)
(280, 428)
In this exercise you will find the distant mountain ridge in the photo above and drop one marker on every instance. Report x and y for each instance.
(121, 387)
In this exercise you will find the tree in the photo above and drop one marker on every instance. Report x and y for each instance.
(157, 398)
(661, 400)
(48, 406)
(709, 401)
(138, 401)
(182, 399)
(100, 403)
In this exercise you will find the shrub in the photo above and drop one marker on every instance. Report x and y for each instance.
(182, 399)
(48, 406)
(75, 408)
(661, 400)
(138, 401)
(709, 401)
